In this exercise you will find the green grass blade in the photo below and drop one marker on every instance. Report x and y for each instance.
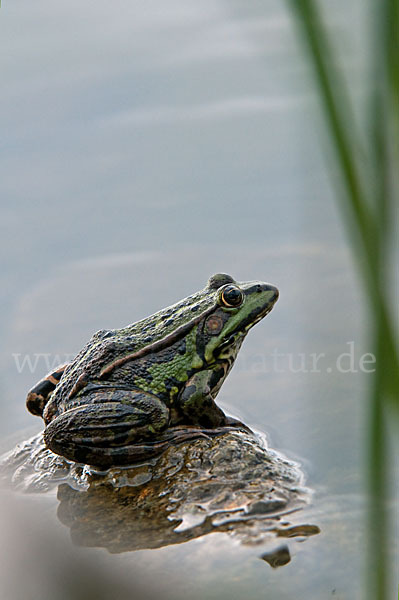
(362, 224)
(367, 209)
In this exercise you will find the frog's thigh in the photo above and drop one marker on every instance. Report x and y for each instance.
(107, 424)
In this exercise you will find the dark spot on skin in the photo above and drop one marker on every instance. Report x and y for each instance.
(217, 375)
(182, 347)
(44, 387)
(109, 346)
(219, 279)
(200, 343)
(172, 382)
(100, 333)
(58, 374)
(194, 308)
(107, 334)
(190, 389)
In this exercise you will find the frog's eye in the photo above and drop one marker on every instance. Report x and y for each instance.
(231, 296)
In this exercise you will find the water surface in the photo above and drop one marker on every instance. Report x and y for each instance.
(145, 148)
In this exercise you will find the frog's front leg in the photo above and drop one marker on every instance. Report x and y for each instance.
(39, 395)
(196, 401)
(102, 433)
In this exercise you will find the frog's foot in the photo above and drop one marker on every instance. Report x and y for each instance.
(182, 433)
(39, 395)
(103, 457)
(101, 433)
(232, 422)
(93, 452)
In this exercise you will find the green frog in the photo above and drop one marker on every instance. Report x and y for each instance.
(133, 391)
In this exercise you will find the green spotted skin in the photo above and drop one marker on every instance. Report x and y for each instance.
(131, 392)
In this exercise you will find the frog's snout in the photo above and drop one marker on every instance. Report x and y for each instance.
(271, 291)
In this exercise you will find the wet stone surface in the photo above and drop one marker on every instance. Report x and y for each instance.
(230, 483)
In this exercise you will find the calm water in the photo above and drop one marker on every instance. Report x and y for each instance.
(145, 147)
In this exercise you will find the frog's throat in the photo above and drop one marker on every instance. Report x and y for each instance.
(154, 347)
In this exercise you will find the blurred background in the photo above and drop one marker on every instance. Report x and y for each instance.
(145, 147)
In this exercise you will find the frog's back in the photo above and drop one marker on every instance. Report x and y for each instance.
(105, 346)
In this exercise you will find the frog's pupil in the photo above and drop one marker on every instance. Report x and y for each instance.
(232, 296)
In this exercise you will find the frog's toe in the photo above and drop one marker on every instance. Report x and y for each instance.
(39, 395)
(35, 403)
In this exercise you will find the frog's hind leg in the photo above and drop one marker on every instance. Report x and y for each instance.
(39, 395)
(103, 434)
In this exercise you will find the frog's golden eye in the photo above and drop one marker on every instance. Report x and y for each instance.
(231, 296)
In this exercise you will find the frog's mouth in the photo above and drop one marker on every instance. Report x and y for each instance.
(257, 310)
(255, 314)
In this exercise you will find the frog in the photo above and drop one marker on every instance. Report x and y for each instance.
(133, 391)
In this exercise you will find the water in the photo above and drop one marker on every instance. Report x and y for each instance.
(143, 149)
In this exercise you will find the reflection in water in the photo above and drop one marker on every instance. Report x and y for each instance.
(230, 483)
(277, 558)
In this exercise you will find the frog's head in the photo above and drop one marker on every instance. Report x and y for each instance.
(203, 328)
(239, 306)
